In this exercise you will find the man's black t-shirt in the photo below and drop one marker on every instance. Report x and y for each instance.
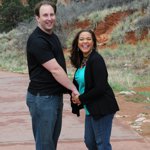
(42, 47)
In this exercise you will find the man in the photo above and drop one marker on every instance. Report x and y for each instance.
(48, 78)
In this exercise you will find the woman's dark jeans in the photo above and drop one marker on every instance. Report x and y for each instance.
(97, 132)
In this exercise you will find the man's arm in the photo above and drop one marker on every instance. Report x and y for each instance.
(60, 75)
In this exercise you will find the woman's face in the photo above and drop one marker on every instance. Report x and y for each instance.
(85, 43)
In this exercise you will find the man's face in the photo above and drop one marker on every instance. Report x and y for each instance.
(46, 19)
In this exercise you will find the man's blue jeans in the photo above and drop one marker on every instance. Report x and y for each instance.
(46, 114)
(97, 132)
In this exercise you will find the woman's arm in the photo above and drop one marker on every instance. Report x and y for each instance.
(98, 73)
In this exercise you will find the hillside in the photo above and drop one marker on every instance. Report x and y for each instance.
(120, 25)
(104, 28)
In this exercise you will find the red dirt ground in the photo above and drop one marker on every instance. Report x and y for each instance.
(131, 111)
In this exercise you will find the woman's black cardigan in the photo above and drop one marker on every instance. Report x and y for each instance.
(98, 96)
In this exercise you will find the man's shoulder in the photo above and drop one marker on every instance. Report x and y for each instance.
(35, 38)
(54, 36)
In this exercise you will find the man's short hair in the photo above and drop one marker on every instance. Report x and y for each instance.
(41, 3)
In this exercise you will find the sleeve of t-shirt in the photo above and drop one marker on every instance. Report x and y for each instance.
(41, 50)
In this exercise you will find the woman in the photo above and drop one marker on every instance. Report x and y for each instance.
(96, 95)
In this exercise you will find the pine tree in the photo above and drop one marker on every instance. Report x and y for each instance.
(11, 13)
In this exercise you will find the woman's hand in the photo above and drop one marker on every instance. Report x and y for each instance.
(75, 99)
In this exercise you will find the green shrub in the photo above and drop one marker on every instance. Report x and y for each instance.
(11, 13)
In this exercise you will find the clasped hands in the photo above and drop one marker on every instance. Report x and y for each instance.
(75, 99)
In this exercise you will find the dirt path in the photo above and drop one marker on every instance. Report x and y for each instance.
(15, 123)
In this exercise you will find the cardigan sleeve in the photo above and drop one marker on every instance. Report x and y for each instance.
(96, 76)
(75, 108)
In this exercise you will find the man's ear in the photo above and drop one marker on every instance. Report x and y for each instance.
(37, 18)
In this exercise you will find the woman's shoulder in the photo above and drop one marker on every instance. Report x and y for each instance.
(96, 55)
